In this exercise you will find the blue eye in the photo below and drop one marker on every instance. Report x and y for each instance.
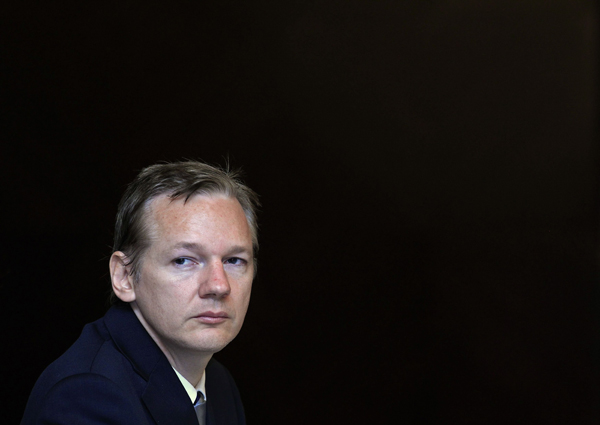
(181, 261)
(235, 261)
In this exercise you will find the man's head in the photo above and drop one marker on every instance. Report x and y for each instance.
(175, 180)
(185, 243)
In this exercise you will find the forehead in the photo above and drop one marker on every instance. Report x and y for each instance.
(200, 216)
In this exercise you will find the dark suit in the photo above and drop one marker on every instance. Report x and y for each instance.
(116, 374)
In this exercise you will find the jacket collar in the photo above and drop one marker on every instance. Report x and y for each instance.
(164, 396)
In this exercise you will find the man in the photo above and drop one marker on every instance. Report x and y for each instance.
(181, 272)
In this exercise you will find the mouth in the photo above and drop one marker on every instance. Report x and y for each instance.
(212, 317)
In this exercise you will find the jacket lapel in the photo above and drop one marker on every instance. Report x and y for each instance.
(164, 396)
(167, 400)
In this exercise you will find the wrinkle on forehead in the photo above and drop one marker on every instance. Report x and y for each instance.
(156, 208)
(166, 215)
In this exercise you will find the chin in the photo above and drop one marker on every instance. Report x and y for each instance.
(212, 344)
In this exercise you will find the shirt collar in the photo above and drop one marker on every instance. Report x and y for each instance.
(189, 388)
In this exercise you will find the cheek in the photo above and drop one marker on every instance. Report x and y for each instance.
(164, 310)
(244, 299)
(160, 298)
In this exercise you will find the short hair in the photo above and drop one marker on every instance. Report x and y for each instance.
(176, 180)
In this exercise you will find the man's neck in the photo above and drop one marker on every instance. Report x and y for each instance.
(191, 390)
(191, 368)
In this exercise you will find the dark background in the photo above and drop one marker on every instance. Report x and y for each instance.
(428, 172)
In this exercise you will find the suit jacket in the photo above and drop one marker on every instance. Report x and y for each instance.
(116, 374)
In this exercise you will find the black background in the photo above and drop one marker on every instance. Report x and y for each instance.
(428, 174)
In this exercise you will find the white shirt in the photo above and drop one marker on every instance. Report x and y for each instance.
(190, 389)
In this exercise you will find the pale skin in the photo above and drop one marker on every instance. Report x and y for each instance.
(195, 278)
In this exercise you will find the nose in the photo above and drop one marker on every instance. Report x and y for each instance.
(216, 285)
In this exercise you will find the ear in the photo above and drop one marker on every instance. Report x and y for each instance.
(120, 275)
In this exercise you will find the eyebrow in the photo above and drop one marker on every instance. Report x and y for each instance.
(236, 249)
(187, 245)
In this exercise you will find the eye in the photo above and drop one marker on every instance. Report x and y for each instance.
(183, 261)
(236, 261)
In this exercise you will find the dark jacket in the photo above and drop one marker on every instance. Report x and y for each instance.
(116, 374)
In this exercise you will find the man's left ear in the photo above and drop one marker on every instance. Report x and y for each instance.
(120, 275)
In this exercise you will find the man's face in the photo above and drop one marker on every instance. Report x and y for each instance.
(196, 276)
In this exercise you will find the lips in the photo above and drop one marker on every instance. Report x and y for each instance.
(212, 317)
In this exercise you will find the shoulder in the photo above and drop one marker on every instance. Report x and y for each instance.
(97, 350)
(224, 401)
(220, 381)
(91, 374)
(92, 349)
(216, 371)
(85, 398)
